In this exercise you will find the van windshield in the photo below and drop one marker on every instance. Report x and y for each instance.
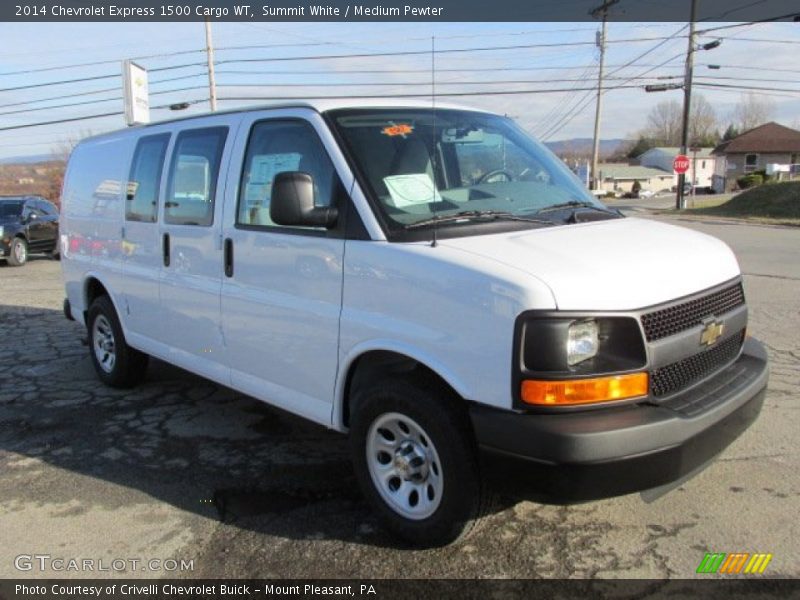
(424, 168)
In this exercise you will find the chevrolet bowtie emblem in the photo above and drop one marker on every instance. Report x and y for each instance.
(711, 333)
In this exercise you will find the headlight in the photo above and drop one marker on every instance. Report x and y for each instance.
(1, 231)
(582, 341)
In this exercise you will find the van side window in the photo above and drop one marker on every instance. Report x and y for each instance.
(275, 147)
(144, 182)
(193, 176)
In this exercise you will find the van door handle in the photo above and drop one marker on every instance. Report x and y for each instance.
(165, 249)
(228, 257)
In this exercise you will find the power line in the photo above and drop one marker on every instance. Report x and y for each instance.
(422, 71)
(389, 97)
(99, 101)
(557, 105)
(83, 118)
(281, 45)
(749, 24)
(59, 121)
(742, 79)
(334, 57)
(578, 108)
(93, 92)
(325, 84)
(427, 83)
(749, 39)
(749, 87)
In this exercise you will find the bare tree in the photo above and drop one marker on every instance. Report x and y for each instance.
(664, 123)
(752, 110)
(703, 123)
(55, 176)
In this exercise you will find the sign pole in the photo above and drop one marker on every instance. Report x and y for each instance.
(212, 85)
(687, 104)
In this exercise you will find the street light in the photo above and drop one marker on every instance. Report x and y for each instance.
(662, 87)
(710, 45)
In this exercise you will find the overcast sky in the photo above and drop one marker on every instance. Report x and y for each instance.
(765, 51)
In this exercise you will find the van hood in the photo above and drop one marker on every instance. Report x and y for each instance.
(619, 264)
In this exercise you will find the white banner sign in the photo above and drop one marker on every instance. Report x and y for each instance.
(137, 100)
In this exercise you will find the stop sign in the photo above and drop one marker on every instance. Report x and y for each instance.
(681, 164)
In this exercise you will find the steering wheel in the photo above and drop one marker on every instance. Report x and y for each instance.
(489, 174)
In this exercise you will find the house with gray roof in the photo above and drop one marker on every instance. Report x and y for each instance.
(619, 178)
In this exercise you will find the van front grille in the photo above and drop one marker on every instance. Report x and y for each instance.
(680, 374)
(680, 317)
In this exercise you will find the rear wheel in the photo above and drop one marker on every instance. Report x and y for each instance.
(416, 461)
(18, 252)
(55, 253)
(116, 363)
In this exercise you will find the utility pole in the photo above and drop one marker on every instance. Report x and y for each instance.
(601, 42)
(212, 86)
(687, 105)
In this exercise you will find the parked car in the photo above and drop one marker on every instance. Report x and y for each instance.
(28, 224)
(435, 284)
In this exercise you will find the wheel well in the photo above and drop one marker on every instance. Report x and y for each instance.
(94, 289)
(377, 364)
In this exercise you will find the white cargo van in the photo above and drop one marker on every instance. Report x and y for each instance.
(434, 283)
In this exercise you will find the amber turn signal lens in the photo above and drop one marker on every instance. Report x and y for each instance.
(584, 391)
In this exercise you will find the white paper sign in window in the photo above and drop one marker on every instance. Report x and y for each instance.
(411, 189)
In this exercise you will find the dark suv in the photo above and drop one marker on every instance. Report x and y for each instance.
(27, 224)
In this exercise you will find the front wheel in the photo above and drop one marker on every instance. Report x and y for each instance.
(416, 461)
(116, 363)
(18, 252)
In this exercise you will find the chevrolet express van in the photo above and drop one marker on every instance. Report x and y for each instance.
(434, 283)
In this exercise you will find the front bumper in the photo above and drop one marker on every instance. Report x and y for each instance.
(587, 455)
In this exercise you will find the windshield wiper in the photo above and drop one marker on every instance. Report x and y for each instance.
(576, 204)
(465, 215)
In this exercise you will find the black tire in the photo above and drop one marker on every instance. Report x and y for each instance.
(465, 499)
(18, 252)
(55, 253)
(129, 365)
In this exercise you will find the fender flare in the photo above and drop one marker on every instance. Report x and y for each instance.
(461, 387)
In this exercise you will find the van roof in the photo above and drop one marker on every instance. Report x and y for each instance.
(318, 105)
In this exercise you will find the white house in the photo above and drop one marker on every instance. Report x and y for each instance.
(620, 177)
(701, 164)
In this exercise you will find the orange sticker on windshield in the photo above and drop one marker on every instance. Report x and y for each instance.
(401, 129)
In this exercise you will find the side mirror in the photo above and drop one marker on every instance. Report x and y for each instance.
(292, 202)
(31, 217)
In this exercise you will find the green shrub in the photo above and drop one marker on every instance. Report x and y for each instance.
(751, 180)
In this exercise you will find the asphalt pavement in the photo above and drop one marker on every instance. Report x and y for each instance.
(180, 469)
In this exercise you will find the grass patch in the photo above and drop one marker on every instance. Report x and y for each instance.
(772, 202)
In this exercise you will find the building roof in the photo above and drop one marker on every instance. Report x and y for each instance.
(626, 171)
(770, 137)
(674, 151)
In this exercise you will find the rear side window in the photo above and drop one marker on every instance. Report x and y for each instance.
(141, 200)
(193, 176)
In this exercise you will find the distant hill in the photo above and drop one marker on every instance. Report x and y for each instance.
(583, 146)
(26, 160)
